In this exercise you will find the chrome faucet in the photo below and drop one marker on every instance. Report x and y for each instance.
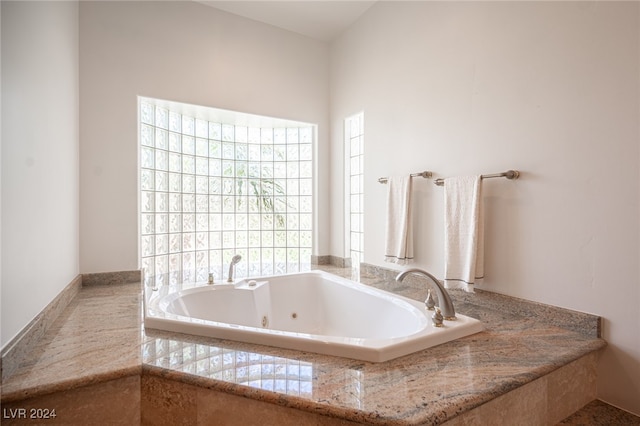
(444, 301)
(234, 260)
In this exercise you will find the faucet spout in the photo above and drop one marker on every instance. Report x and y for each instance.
(444, 300)
(232, 266)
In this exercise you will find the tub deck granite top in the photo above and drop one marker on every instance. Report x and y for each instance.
(100, 336)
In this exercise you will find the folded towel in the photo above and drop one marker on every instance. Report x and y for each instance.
(464, 232)
(399, 230)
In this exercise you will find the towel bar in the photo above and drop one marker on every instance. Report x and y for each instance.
(424, 174)
(509, 174)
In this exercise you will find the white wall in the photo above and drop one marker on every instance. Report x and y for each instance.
(39, 157)
(186, 52)
(548, 88)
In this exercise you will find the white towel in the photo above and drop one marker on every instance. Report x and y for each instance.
(399, 230)
(464, 232)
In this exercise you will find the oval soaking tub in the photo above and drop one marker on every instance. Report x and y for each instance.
(310, 311)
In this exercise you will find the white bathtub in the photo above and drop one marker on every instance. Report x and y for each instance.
(312, 311)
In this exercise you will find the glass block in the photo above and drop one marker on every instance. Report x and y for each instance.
(188, 222)
(253, 135)
(280, 204)
(354, 147)
(254, 239)
(202, 222)
(146, 135)
(175, 222)
(147, 156)
(228, 186)
(202, 203)
(306, 152)
(267, 238)
(202, 128)
(254, 204)
(355, 241)
(228, 221)
(188, 145)
(175, 262)
(241, 222)
(147, 202)
(215, 149)
(215, 222)
(175, 162)
(202, 147)
(293, 238)
(354, 185)
(162, 223)
(175, 122)
(202, 184)
(228, 239)
(147, 179)
(305, 205)
(266, 153)
(162, 161)
(266, 136)
(241, 239)
(280, 169)
(162, 202)
(354, 165)
(175, 182)
(161, 265)
(215, 239)
(253, 152)
(148, 266)
(293, 170)
(227, 132)
(305, 239)
(306, 169)
(267, 170)
(188, 241)
(293, 152)
(215, 131)
(188, 203)
(228, 151)
(279, 135)
(162, 139)
(241, 204)
(306, 187)
(292, 135)
(267, 221)
(228, 204)
(202, 240)
(280, 239)
(241, 169)
(175, 202)
(293, 187)
(293, 221)
(147, 245)
(254, 262)
(147, 113)
(175, 142)
(228, 168)
(355, 203)
(188, 184)
(306, 135)
(215, 203)
(253, 221)
(215, 167)
(188, 125)
(162, 244)
(162, 118)
(355, 222)
(306, 222)
(162, 181)
(188, 261)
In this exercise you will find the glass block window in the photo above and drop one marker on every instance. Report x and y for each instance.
(211, 188)
(354, 144)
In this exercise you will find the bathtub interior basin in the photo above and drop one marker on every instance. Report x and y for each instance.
(311, 311)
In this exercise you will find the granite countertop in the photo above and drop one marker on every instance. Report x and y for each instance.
(101, 337)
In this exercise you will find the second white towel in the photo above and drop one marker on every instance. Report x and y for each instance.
(399, 230)
(464, 232)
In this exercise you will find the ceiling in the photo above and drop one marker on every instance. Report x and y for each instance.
(320, 20)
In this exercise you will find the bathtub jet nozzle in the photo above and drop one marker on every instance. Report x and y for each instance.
(232, 266)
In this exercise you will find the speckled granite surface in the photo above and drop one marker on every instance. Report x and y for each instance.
(597, 413)
(100, 336)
